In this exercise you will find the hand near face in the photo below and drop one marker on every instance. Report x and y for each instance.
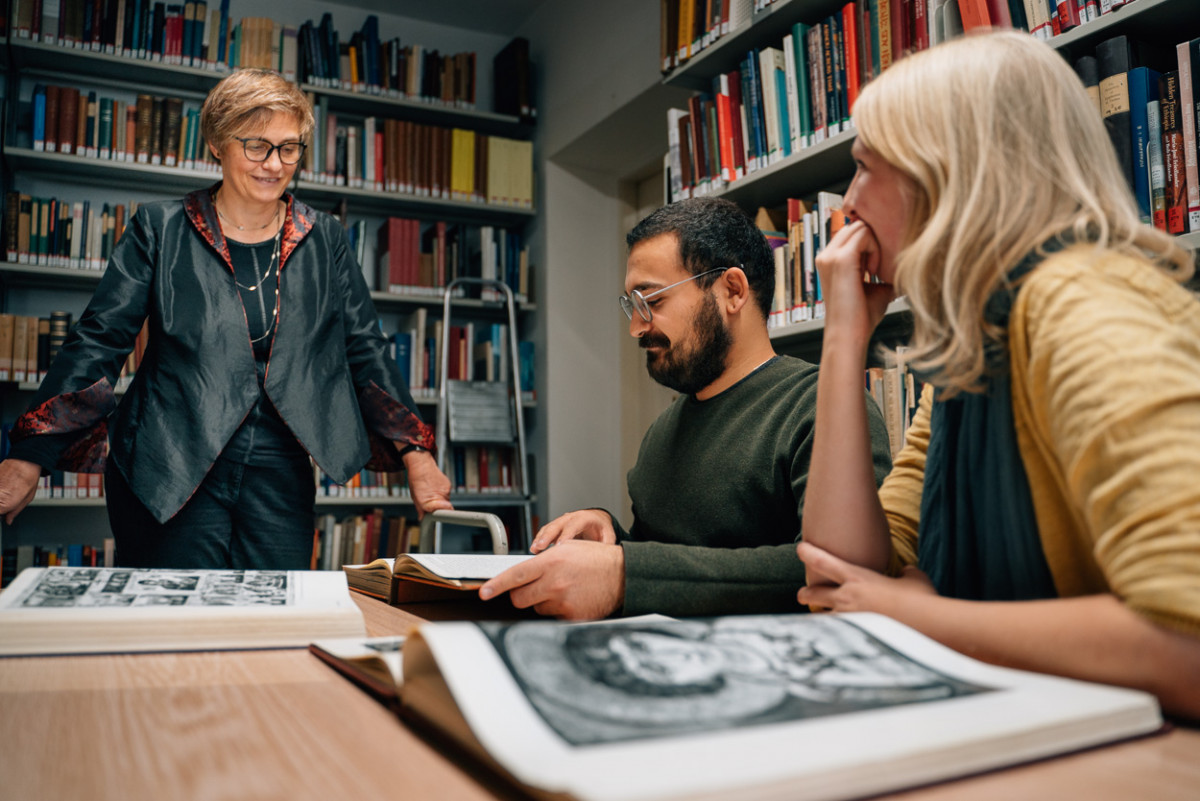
(857, 589)
(584, 524)
(428, 485)
(576, 580)
(851, 304)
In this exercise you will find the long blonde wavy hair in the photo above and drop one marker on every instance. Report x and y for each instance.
(1004, 150)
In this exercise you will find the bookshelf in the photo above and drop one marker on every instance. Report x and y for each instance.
(827, 165)
(35, 289)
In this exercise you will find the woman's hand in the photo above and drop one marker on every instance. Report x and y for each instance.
(845, 264)
(429, 487)
(18, 484)
(857, 589)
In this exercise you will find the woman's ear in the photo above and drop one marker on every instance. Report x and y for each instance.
(216, 154)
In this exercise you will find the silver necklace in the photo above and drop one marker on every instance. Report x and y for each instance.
(270, 265)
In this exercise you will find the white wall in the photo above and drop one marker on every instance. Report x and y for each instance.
(601, 109)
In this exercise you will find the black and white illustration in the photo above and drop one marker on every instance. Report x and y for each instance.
(90, 586)
(615, 682)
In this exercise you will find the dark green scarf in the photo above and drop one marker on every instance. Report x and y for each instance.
(978, 535)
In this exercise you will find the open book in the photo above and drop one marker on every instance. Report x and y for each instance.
(61, 610)
(415, 577)
(764, 707)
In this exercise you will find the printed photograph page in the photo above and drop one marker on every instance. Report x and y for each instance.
(76, 609)
(787, 706)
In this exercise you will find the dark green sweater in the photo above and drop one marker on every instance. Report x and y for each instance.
(718, 493)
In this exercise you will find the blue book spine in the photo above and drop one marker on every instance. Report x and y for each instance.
(223, 34)
(753, 94)
(800, 57)
(1143, 88)
(785, 125)
(39, 117)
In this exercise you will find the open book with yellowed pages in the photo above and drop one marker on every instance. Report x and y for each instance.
(428, 576)
(800, 707)
(75, 610)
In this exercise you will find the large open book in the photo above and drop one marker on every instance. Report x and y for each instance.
(60, 610)
(770, 707)
(415, 577)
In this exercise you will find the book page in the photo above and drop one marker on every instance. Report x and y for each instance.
(82, 610)
(385, 652)
(783, 706)
(469, 566)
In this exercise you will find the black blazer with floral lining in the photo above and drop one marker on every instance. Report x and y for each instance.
(330, 374)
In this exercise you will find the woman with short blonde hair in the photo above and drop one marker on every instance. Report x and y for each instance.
(245, 100)
(265, 356)
(1044, 513)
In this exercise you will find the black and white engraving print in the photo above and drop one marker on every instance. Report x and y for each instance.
(614, 682)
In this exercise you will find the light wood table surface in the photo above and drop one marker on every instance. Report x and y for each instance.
(280, 724)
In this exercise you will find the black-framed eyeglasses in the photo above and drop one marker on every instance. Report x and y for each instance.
(636, 300)
(261, 150)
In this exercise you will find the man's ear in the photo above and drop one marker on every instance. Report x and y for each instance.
(737, 290)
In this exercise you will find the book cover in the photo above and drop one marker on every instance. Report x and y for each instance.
(1175, 175)
(1143, 90)
(1188, 57)
(1114, 59)
(714, 708)
(50, 119)
(119, 610)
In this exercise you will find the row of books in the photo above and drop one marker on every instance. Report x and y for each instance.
(896, 391)
(15, 559)
(1149, 99)
(779, 101)
(49, 232)
(477, 352)
(191, 34)
(28, 344)
(373, 153)
(172, 33)
(896, 27)
(151, 130)
(796, 237)
(361, 538)
(416, 260)
(368, 63)
(392, 155)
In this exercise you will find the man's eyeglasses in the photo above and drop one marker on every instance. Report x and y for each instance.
(636, 300)
(261, 149)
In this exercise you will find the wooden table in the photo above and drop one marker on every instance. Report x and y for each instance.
(281, 725)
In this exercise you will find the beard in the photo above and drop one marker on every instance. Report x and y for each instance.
(690, 366)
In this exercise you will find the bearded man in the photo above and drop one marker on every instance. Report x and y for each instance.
(718, 487)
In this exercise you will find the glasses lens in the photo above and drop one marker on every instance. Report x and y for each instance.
(639, 303)
(256, 149)
(626, 306)
(290, 152)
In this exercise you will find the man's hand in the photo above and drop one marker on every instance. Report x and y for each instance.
(18, 484)
(429, 486)
(586, 524)
(857, 589)
(578, 580)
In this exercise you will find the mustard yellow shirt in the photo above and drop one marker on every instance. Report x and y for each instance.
(1105, 354)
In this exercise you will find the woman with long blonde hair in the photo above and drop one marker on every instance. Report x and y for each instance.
(1045, 511)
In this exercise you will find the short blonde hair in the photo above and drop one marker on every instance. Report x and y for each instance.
(1005, 151)
(245, 100)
